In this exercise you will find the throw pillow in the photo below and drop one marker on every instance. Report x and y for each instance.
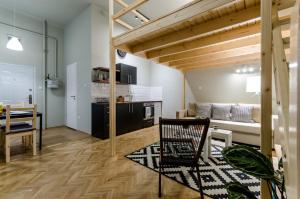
(242, 113)
(204, 110)
(221, 112)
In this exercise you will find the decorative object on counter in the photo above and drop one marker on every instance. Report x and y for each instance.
(101, 99)
(1, 107)
(121, 53)
(120, 99)
(128, 98)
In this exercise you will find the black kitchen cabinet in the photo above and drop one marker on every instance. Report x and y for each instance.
(137, 116)
(129, 117)
(100, 120)
(128, 74)
(122, 118)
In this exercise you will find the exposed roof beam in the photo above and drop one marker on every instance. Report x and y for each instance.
(218, 55)
(126, 25)
(230, 61)
(242, 42)
(200, 29)
(135, 12)
(184, 13)
(227, 36)
(125, 10)
(245, 59)
(246, 41)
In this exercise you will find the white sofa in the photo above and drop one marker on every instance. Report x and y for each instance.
(248, 133)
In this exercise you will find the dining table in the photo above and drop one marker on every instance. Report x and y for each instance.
(22, 114)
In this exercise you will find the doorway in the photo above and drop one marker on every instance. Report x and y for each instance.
(71, 96)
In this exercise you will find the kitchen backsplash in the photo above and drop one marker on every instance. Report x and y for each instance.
(138, 93)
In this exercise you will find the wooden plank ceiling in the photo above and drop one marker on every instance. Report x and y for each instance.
(221, 33)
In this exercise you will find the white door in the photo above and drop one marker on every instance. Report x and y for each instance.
(16, 83)
(71, 96)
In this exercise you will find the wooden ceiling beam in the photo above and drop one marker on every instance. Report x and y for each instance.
(230, 61)
(246, 41)
(129, 8)
(210, 50)
(135, 12)
(193, 9)
(227, 36)
(124, 24)
(218, 55)
(233, 19)
(243, 31)
(245, 59)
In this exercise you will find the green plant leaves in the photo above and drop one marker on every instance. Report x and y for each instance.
(238, 191)
(249, 160)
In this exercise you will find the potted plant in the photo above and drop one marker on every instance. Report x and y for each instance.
(252, 162)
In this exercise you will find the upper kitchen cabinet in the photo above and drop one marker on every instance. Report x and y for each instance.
(128, 74)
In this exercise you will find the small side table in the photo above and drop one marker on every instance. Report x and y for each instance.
(206, 147)
(220, 134)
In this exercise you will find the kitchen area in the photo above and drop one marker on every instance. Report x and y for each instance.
(138, 106)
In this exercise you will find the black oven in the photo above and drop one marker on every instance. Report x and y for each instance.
(148, 114)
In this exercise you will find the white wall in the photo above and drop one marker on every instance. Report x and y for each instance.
(171, 80)
(78, 49)
(87, 43)
(219, 85)
(33, 56)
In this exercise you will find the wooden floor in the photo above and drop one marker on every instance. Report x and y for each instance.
(74, 165)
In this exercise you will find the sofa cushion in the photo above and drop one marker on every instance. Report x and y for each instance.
(256, 113)
(221, 112)
(204, 110)
(251, 128)
(192, 111)
(241, 113)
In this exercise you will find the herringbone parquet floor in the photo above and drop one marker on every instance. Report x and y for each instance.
(76, 166)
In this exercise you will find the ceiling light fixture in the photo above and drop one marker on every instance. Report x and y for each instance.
(250, 69)
(238, 70)
(136, 17)
(14, 43)
(244, 70)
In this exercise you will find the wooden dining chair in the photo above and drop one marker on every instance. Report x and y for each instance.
(20, 128)
(181, 144)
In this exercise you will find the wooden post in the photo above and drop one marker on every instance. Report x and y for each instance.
(183, 91)
(112, 81)
(292, 171)
(281, 76)
(266, 86)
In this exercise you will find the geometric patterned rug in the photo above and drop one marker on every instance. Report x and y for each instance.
(214, 174)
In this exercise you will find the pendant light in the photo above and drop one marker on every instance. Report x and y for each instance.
(14, 43)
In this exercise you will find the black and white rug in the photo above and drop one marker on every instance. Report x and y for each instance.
(214, 174)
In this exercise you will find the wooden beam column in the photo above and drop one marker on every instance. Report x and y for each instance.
(266, 86)
(183, 90)
(112, 81)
